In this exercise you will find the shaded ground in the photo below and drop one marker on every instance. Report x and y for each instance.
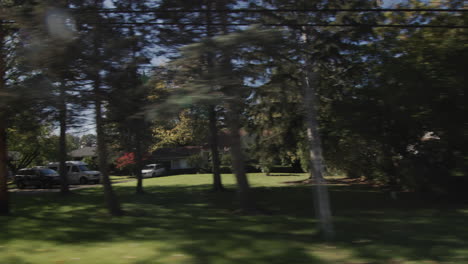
(51, 190)
(338, 181)
(187, 223)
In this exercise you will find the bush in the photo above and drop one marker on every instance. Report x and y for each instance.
(92, 162)
(286, 169)
(225, 169)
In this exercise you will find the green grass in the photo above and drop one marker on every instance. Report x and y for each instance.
(180, 220)
(117, 179)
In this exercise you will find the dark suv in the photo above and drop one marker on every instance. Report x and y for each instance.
(39, 177)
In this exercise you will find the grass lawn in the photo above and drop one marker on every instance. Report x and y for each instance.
(180, 220)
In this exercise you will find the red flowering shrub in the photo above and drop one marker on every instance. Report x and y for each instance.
(126, 160)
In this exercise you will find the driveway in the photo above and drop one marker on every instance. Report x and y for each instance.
(33, 190)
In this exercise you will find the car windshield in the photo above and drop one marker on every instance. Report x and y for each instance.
(83, 168)
(148, 167)
(48, 172)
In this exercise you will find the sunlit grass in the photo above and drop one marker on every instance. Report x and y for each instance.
(180, 220)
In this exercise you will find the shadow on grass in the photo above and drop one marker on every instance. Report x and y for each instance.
(283, 175)
(203, 225)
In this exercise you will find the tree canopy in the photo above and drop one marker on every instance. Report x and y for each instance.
(372, 92)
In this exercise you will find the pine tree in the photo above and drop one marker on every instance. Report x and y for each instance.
(317, 50)
(4, 204)
(97, 58)
(172, 41)
(16, 18)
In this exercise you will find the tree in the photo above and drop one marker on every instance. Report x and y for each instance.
(51, 146)
(129, 95)
(97, 60)
(40, 46)
(231, 89)
(276, 118)
(217, 76)
(4, 206)
(15, 72)
(29, 139)
(399, 100)
(127, 102)
(192, 34)
(88, 140)
(321, 54)
(189, 128)
(63, 67)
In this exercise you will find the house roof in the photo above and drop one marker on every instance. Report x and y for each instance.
(83, 152)
(176, 152)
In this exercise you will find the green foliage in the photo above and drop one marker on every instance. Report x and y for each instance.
(225, 158)
(411, 81)
(188, 129)
(277, 120)
(31, 141)
(88, 140)
(92, 163)
(35, 144)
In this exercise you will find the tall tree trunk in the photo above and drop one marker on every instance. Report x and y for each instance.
(4, 204)
(321, 197)
(113, 204)
(246, 200)
(234, 110)
(390, 168)
(111, 199)
(63, 142)
(217, 183)
(139, 161)
(212, 118)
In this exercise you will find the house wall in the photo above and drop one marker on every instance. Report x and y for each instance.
(180, 164)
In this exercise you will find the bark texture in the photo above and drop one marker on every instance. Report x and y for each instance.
(217, 183)
(212, 118)
(139, 162)
(111, 199)
(246, 200)
(233, 90)
(113, 204)
(4, 203)
(321, 197)
(63, 144)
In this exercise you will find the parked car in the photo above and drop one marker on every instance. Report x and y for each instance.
(40, 177)
(78, 172)
(153, 170)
